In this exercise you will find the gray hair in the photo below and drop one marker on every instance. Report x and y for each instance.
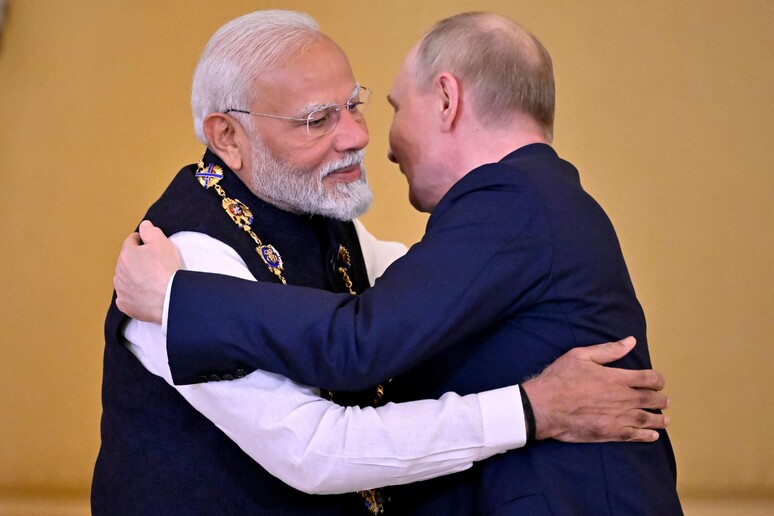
(238, 53)
(506, 69)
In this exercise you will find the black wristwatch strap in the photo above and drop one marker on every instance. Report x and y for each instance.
(529, 415)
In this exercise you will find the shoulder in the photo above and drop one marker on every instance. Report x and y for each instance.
(182, 204)
(494, 193)
(517, 185)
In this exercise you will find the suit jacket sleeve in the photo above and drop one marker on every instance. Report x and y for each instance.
(486, 253)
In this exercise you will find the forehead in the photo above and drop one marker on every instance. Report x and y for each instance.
(318, 75)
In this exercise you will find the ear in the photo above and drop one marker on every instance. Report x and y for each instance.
(449, 94)
(223, 134)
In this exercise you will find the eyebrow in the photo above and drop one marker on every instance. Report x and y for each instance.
(314, 106)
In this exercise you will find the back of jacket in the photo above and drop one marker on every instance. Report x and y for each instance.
(576, 291)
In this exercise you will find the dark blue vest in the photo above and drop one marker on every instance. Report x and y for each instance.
(158, 454)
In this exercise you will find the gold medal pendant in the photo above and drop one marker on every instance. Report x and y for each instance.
(272, 259)
(209, 177)
(373, 500)
(238, 212)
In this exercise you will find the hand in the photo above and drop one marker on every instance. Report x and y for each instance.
(147, 261)
(576, 399)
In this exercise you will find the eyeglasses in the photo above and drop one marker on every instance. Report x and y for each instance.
(323, 120)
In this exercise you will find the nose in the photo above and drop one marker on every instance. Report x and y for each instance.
(391, 155)
(350, 133)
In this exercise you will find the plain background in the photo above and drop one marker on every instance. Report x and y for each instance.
(665, 107)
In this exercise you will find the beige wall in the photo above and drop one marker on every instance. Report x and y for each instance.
(664, 106)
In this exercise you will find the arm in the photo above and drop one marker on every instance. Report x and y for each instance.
(449, 287)
(319, 447)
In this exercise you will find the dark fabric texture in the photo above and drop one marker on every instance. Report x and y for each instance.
(159, 455)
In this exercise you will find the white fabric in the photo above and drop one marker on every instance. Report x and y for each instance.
(378, 254)
(320, 447)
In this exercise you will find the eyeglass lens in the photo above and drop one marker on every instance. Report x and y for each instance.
(323, 121)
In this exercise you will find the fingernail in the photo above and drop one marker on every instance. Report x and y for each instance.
(666, 420)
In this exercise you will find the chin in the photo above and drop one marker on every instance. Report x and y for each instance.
(416, 203)
(424, 201)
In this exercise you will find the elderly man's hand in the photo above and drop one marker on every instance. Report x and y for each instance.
(146, 263)
(576, 399)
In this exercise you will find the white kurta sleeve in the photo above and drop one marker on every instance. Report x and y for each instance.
(317, 446)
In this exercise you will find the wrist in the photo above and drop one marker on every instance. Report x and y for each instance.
(529, 415)
(538, 402)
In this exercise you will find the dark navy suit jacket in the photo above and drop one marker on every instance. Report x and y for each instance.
(517, 266)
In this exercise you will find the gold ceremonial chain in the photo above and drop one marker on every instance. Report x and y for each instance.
(374, 498)
(241, 215)
(345, 262)
(209, 177)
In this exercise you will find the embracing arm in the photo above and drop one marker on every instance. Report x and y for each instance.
(319, 447)
(466, 275)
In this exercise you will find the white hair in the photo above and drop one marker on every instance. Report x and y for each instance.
(504, 68)
(238, 53)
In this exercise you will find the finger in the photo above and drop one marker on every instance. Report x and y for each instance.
(119, 284)
(609, 352)
(655, 421)
(645, 419)
(150, 233)
(648, 399)
(642, 378)
(640, 435)
(122, 306)
(132, 240)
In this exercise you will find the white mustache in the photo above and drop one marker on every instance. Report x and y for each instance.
(348, 160)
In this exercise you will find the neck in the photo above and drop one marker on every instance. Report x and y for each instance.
(479, 146)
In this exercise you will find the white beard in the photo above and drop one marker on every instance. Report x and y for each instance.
(301, 191)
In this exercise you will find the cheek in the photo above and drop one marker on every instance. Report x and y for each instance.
(306, 157)
(400, 141)
(392, 136)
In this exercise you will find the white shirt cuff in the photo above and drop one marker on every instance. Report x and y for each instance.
(165, 312)
(503, 429)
